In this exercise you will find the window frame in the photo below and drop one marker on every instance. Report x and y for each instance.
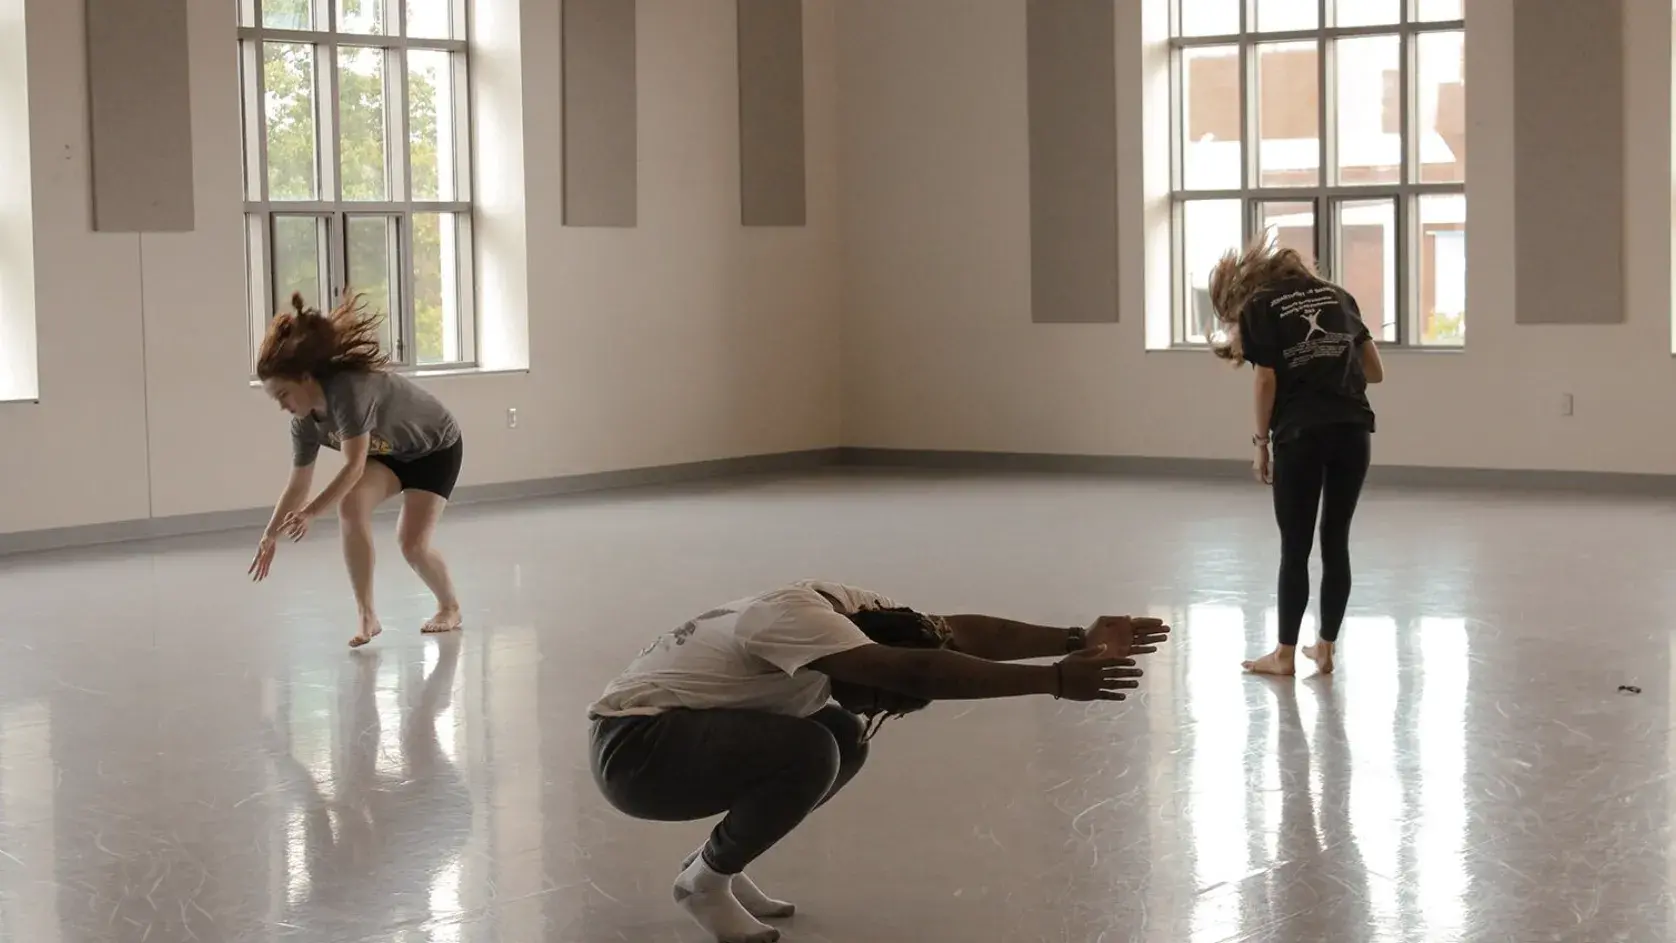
(261, 209)
(1326, 195)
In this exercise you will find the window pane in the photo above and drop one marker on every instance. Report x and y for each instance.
(1367, 12)
(293, 161)
(361, 16)
(1209, 228)
(1442, 9)
(363, 161)
(372, 253)
(1290, 226)
(1442, 312)
(288, 14)
(430, 116)
(1367, 261)
(299, 250)
(436, 287)
(1288, 114)
(1369, 90)
(430, 19)
(1210, 119)
(1441, 85)
(1207, 17)
(250, 119)
(1273, 15)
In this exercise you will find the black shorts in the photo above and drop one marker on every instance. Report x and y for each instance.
(436, 472)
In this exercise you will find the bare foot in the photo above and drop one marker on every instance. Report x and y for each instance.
(369, 631)
(447, 619)
(1278, 662)
(1322, 654)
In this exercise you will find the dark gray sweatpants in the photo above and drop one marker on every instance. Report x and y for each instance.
(765, 772)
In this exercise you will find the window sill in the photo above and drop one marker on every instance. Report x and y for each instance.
(425, 373)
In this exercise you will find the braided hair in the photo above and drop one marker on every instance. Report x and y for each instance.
(899, 628)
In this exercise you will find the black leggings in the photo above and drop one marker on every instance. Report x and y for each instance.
(765, 771)
(1320, 470)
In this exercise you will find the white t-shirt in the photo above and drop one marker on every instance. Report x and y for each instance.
(751, 654)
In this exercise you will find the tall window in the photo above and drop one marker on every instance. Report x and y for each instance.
(1339, 126)
(356, 154)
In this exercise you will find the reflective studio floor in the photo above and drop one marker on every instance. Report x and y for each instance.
(187, 756)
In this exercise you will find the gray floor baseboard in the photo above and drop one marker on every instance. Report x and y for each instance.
(1611, 484)
(181, 525)
(1043, 462)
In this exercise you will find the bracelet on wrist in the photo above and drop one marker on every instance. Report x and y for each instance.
(1076, 639)
(1259, 440)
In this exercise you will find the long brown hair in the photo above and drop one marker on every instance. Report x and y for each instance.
(303, 342)
(1241, 274)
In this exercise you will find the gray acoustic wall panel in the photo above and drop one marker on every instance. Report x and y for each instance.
(139, 89)
(771, 158)
(601, 142)
(1568, 186)
(1073, 160)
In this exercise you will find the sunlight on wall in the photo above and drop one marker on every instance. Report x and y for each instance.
(19, 369)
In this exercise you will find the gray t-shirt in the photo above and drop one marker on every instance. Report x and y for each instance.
(405, 422)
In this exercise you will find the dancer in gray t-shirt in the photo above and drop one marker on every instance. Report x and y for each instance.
(328, 372)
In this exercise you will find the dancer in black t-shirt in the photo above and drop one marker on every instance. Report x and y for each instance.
(1314, 360)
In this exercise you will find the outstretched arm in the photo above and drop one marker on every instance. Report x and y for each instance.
(296, 491)
(941, 675)
(996, 639)
(354, 464)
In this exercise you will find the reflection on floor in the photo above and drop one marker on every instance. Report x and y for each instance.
(186, 756)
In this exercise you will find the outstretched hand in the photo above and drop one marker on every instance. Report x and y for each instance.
(1128, 635)
(296, 524)
(1095, 675)
(263, 560)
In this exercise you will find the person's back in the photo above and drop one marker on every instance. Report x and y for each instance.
(1310, 333)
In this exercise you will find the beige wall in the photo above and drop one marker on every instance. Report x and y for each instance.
(691, 337)
(940, 351)
(688, 338)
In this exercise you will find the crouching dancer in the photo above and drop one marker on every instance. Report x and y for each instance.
(732, 714)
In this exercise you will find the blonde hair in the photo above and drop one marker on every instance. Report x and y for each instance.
(1238, 276)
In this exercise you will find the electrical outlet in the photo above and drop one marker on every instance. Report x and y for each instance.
(1566, 404)
(512, 418)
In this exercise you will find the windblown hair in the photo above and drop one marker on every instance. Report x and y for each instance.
(1237, 278)
(303, 342)
(898, 628)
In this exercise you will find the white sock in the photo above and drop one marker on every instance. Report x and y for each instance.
(758, 904)
(755, 902)
(707, 897)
